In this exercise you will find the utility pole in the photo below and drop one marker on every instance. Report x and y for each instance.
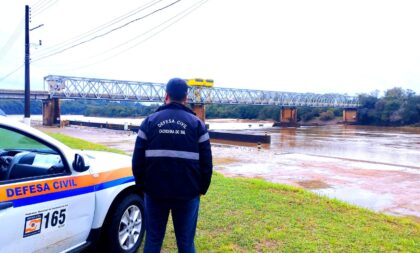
(27, 117)
(27, 113)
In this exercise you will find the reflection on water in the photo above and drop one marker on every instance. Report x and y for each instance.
(358, 197)
(376, 144)
(395, 146)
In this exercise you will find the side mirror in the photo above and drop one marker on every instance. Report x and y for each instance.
(79, 163)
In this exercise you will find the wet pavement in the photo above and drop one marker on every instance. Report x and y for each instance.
(375, 168)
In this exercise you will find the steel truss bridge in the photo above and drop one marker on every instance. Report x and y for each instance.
(66, 87)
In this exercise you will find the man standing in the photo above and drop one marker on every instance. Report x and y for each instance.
(172, 164)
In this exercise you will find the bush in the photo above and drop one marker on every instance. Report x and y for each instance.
(325, 116)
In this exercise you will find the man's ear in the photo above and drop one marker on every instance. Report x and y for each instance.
(167, 99)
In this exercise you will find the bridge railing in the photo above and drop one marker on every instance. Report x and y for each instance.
(20, 94)
(92, 88)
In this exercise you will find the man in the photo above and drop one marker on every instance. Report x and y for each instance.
(172, 164)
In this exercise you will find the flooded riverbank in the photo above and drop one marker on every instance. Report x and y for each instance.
(376, 168)
(379, 187)
(373, 167)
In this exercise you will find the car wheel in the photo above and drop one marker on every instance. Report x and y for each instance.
(125, 230)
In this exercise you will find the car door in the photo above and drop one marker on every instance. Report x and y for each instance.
(44, 205)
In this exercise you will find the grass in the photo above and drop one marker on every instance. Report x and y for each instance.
(77, 143)
(252, 215)
(13, 140)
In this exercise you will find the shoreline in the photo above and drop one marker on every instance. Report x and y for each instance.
(364, 183)
(37, 120)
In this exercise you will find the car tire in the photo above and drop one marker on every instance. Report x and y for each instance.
(125, 229)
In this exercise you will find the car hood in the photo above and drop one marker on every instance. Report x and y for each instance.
(101, 161)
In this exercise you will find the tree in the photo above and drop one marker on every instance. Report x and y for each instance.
(396, 108)
(328, 115)
(366, 114)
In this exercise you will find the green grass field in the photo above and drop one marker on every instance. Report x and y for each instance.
(77, 143)
(252, 215)
(12, 140)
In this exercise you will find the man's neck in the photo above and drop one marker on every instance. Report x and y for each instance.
(176, 102)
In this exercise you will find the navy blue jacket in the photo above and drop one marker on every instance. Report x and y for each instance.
(172, 156)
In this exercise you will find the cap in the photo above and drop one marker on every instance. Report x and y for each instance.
(177, 88)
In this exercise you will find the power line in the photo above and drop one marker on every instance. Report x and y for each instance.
(42, 5)
(44, 8)
(181, 15)
(11, 73)
(15, 35)
(108, 32)
(35, 5)
(45, 4)
(97, 29)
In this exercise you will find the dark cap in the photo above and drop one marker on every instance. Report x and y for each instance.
(177, 88)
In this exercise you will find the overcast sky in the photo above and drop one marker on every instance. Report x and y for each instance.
(295, 45)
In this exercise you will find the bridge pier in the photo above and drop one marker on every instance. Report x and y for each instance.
(50, 112)
(199, 111)
(350, 115)
(288, 117)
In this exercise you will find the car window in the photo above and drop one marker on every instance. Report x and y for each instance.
(14, 140)
(22, 157)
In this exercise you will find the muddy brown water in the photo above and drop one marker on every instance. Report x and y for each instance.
(399, 146)
(373, 167)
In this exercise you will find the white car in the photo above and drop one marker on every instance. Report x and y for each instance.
(56, 199)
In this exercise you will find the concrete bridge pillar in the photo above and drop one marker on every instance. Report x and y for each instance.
(349, 115)
(51, 112)
(288, 115)
(199, 110)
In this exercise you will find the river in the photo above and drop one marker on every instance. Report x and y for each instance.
(397, 146)
(373, 167)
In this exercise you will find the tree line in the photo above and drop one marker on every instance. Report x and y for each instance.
(397, 107)
(95, 108)
(102, 108)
